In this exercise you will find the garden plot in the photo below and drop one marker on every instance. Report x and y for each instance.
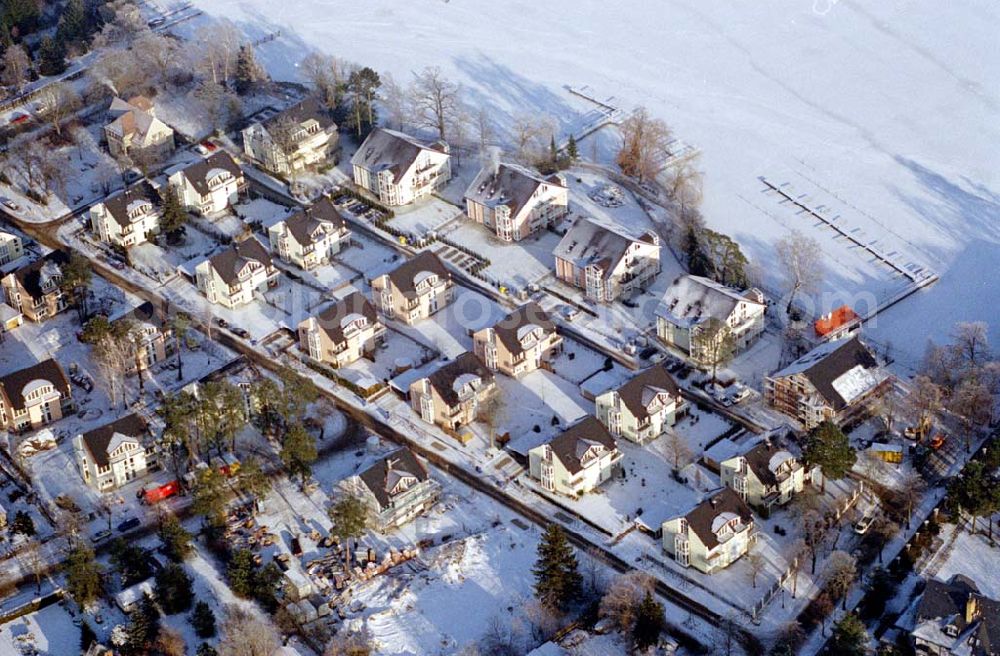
(162, 261)
(586, 191)
(424, 216)
(261, 210)
(397, 351)
(516, 264)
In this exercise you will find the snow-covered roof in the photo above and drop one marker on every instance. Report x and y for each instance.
(589, 243)
(691, 300)
(841, 371)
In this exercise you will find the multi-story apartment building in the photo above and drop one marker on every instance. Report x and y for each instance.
(135, 132)
(414, 290)
(689, 307)
(34, 396)
(399, 169)
(514, 202)
(210, 185)
(396, 489)
(11, 247)
(233, 277)
(114, 454)
(712, 536)
(643, 408)
(128, 217)
(837, 381)
(311, 236)
(576, 461)
(301, 136)
(152, 333)
(343, 333)
(604, 262)
(764, 476)
(35, 289)
(519, 343)
(450, 396)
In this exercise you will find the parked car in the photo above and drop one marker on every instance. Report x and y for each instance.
(100, 536)
(241, 332)
(9, 204)
(222, 323)
(740, 393)
(201, 150)
(570, 312)
(864, 524)
(129, 524)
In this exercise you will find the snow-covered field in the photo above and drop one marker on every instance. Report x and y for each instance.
(882, 114)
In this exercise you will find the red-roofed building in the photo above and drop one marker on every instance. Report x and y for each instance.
(842, 322)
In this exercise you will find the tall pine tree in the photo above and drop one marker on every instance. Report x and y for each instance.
(828, 447)
(572, 150)
(248, 72)
(649, 623)
(73, 23)
(174, 217)
(557, 581)
(51, 57)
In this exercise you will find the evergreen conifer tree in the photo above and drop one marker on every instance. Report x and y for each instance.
(557, 581)
(572, 150)
(649, 622)
(51, 57)
(248, 71)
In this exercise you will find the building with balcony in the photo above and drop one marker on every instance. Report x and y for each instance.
(235, 276)
(11, 247)
(837, 381)
(952, 618)
(35, 289)
(414, 290)
(311, 236)
(396, 489)
(34, 396)
(514, 202)
(345, 332)
(135, 132)
(152, 333)
(520, 343)
(643, 408)
(712, 536)
(764, 476)
(300, 137)
(128, 217)
(450, 396)
(114, 454)
(576, 461)
(689, 305)
(399, 169)
(210, 185)
(606, 263)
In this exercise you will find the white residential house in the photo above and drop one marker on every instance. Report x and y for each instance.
(643, 408)
(514, 202)
(311, 236)
(605, 262)
(712, 536)
(520, 343)
(34, 397)
(414, 290)
(399, 169)
(450, 395)
(576, 461)
(135, 132)
(396, 489)
(233, 277)
(210, 185)
(764, 476)
(684, 317)
(343, 333)
(293, 140)
(128, 217)
(35, 289)
(11, 247)
(114, 454)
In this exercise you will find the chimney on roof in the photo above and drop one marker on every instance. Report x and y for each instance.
(714, 501)
(493, 159)
(971, 609)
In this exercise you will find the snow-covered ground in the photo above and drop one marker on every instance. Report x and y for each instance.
(878, 114)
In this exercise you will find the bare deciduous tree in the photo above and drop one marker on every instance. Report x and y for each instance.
(621, 602)
(435, 100)
(801, 262)
(529, 132)
(645, 143)
(971, 343)
(756, 564)
(841, 571)
(157, 53)
(246, 635)
(327, 75)
(120, 71)
(678, 450)
(395, 103)
(59, 101)
(796, 557)
(350, 643)
(16, 65)
(683, 184)
(220, 43)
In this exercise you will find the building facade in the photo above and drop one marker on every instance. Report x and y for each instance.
(300, 137)
(514, 202)
(235, 276)
(399, 169)
(114, 454)
(643, 408)
(153, 336)
(414, 290)
(578, 460)
(35, 289)
(343, 333)
(396, 489)
(209, 186)
(451, 395)
(128, 217)
(311, 236)
(11, 247)
(135, 132)
(520, 343)
(604, 262)
(764, 476)
(715, 534)
(34, 396)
